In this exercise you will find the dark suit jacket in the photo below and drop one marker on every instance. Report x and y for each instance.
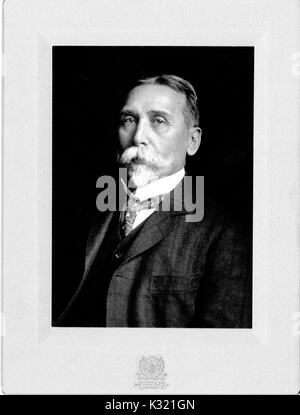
(175, 273)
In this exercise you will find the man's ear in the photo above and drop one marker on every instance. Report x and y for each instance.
(194, 140)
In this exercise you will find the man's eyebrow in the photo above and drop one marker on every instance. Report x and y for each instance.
(160, 112)
(130, 111)
(125, 111)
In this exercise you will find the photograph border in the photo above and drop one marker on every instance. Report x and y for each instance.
(38, 358)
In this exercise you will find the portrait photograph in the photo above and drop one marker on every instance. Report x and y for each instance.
(150, 200)
(165, 271)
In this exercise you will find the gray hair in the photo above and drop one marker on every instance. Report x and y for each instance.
(183, 87)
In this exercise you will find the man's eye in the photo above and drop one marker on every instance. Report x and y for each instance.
(127, 120)
(158, 120)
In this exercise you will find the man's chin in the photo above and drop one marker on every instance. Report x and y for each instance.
(141, 175)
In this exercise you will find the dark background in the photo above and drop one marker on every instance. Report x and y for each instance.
(88, 85)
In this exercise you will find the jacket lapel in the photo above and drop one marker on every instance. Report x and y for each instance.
(149, 233)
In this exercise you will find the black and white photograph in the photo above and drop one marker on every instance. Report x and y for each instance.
(159, 115)
(150, 200)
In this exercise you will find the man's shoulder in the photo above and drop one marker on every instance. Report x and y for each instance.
(217, 220)
(214, 214)
(217, 214)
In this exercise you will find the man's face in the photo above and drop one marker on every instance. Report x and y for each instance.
(153, 134)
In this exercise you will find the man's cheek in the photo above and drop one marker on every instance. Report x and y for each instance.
(124, 141)
(167, 153)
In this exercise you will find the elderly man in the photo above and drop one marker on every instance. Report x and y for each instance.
(151, 267)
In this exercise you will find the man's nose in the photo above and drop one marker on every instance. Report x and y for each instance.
(141, 133)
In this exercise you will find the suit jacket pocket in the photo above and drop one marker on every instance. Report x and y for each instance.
(172, 283)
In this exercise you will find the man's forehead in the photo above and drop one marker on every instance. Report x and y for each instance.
(156, 97)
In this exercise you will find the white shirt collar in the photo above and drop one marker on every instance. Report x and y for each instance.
(159, 186)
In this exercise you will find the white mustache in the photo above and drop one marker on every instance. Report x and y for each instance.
(141, 155)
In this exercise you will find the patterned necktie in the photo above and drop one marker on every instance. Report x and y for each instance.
(134, 205)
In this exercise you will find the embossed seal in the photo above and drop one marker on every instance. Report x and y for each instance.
(151, 373)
